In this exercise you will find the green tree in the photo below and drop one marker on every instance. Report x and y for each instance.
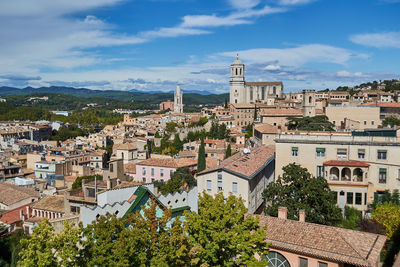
(178, 144)
(38, 249)
(221, 234)
(171, 127)
(255, 113)
(178, 179)
(388, 214)
(78, 181)
(297, 189)
(352, 218)
(10, 248)
(228, 151)
(316, 123)
(391, 121)
(226, 103)
(201, 160)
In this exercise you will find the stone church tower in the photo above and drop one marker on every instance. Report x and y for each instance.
(308, 103)
(178, 106)
(237, 84)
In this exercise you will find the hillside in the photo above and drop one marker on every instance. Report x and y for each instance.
(139, 97)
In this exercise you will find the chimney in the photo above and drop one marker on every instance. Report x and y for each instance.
(282, 213)
(302, 215)
(28, 212)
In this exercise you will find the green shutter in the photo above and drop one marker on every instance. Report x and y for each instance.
(320, 149)
(382, 151)
(382, 170)
(295, 148)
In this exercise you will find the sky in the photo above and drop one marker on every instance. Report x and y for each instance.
(153, 45)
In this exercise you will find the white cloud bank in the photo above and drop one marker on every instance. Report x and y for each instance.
(379, 40)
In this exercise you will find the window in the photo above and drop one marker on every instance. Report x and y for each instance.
(152, 171)
(234, 187)
(358, 198)
(219, 185)
(262, 93)
(382, 175)
(208, 185)
(251, 93)
(295, 151)
(171, 172)
(382, 154)
(152, 180)
(365, 122)
(144, 179)
(365, 198)
(372, 122)
(342, 153)
(161, 172)
(303, 262)
(111, 167)
(350, 198)
(320, 152)
(144, 171)
(320, 171)
(322, 264)
(361, 154)
(219, 175)
(274, 90)
(276, 259)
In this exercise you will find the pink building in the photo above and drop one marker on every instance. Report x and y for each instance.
(155, 169)
(167, 105)
(298, 243)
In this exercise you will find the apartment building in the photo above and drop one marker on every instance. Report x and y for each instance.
(356, 165)
(366, 116)
(244, 175)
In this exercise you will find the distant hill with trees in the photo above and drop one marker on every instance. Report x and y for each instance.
(189, 98)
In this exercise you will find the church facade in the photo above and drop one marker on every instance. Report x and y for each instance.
(242, 92)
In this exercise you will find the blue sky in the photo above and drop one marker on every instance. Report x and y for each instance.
(156, 44)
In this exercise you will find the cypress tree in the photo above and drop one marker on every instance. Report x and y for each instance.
(228, 151)
(201, 160)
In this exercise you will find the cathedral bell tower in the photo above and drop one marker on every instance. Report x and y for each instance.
(237, 91)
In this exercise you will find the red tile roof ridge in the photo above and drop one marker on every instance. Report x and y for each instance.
(348, 163)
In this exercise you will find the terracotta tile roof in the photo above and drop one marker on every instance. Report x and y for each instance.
(245, 165)
(383, 104)
(11, 194)
(211, 162)
(348, 163)
(130, 168)
(266, 128)
(264, 83)
(125, 146)
(324, 242)
(13, 216)
(50, 203)
(169, 162)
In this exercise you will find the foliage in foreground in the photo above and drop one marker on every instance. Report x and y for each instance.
(219, 235)
(178, 180)
(297, 189)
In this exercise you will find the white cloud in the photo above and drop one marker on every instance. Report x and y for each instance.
(380, 40)
(244, 4)
(211, 21)
(294, 2)
(272, 67)
(297, 56)
(345, 73)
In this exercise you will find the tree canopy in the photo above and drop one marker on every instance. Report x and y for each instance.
(222, 235)
(178, 179)
(297, 189)
(316, 123)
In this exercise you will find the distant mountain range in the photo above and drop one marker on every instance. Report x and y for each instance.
(150, 97)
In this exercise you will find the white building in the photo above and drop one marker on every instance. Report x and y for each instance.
(251, 92)
(244, 175)
(178, 106)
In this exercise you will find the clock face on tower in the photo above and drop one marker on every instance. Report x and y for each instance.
(276, 259)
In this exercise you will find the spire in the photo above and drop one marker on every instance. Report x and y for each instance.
(237, 56)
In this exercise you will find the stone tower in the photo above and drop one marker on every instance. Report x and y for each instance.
(308, 103)
(237, 93)
(178, 106)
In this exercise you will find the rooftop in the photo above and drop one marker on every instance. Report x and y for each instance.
(324, 242)
(264, 83)
(245, 165)
(50, 203)
(347, 163)
(169, 162)
(11, 194)
(266, 128)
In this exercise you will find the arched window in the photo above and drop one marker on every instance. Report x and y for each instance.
(262, 93)
(276, 259)
(236, 72)
(274, 90)
(251, 93)
(310, 99)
